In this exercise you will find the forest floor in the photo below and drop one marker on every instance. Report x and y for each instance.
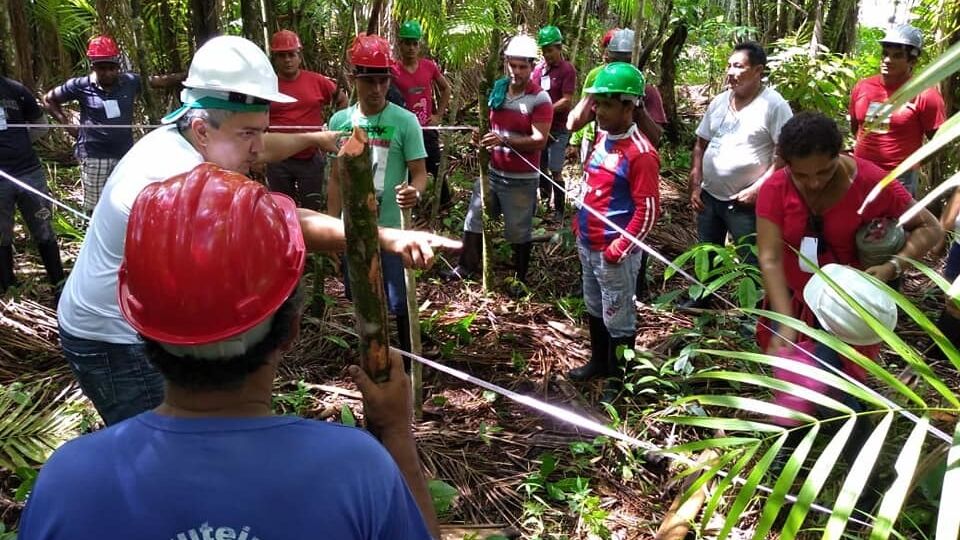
(511, 467)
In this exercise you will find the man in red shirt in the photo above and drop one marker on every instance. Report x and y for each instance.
(302, 175)
(558, 78)
(417, 78)
(891, 141)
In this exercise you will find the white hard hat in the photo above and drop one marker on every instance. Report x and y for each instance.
(837, 317)
(522, 46)
(622, 41)
(904, 34)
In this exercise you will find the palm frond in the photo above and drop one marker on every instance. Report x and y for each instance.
(34, 421)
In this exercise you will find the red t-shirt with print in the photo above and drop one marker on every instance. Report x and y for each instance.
(417, 87)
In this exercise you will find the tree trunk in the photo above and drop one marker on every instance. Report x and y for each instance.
(21, 53)
(252, 21)
(668, 73)
(490, 73)
(168, 40)
(140, 62)
(652, 44)
(206, 24)
(363, 257)
(817, 37)
(579, 35)
(413, 316)
(374, 23)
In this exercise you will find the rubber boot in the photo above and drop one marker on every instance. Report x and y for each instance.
(599, 349)
(471, 257)
(559, 199)
(50, 255)
(521, 263)
(950, 326)
(403, 334)
(611, 390)
(7, 277)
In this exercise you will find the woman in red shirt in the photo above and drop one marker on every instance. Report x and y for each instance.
(810, 207)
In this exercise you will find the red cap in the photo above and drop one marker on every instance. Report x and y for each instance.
(209, 255)
(103, 49)
(285, 41)
(607, 37)
(370, 52)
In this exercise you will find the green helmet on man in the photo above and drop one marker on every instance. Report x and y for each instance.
(410, 30)
(549, 35)
(618, 78)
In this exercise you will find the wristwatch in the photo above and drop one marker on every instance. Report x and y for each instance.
(897, 268)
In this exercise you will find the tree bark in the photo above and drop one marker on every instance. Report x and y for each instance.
(652, 44)
(374, 23)
(363, 257)
(252, 22)
(140, 61)
(21, 58)
(413, 316)
(206, 24)
(490, 75)
(668, 73)
(168, 40)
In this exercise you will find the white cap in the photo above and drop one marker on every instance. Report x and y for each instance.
(522, 46)
(838, 317)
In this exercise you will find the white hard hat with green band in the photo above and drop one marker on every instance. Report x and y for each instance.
(213, 99)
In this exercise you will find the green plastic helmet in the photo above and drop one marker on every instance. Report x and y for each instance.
(618, 78)
(549, 35)
(410, 30)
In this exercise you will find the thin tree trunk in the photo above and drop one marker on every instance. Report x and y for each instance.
(140, 61)
(363, 257)
(490, 74)
(252, 22)
(668, 73)
(168, 39)
(817, 37)
(652, 44)
(206, 24)
(438, 181)
(579, 35)
(22, 48)
(9, 63)
(413, 316)
(374, 23)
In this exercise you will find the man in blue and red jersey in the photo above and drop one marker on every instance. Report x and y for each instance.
(520, 116)
(622, 183)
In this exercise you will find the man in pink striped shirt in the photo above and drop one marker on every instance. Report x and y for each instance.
(520, 117)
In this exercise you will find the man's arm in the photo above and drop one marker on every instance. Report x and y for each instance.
(521, 143)
(52, 102)
(445, 91)
(645, 124)
(581, 113)
(334, 204)
(696, 172)
(169, 80)
(280, 146)
(388, 409)
(408, 194)
(748, 195)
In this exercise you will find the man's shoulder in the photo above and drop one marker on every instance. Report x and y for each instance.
(772, 96)
(342, 118)
(568, 67)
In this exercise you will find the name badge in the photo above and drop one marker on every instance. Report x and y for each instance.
(545, 82)
(3, 119)
(523, 108)
(112, 108)
(808, 254)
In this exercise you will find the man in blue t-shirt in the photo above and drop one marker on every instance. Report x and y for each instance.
(17, 158)
(106, 97)
(212, 461)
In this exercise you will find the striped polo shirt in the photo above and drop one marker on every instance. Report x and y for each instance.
(516, 117)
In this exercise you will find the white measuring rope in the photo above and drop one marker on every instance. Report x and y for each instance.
(571, 417)
(39, 193)
(636, 241)
(275, 129)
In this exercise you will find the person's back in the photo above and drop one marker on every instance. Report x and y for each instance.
(240, 478)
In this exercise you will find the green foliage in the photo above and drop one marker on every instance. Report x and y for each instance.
(35, 419)
(442, 494)
(816, 83)
(711, 41)
(296, 403)
(718, 267)
(7, 535)
(346, 416)
(571, 488)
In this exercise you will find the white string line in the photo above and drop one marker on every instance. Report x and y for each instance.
(636, 241)
(39, 193)
(274, 129)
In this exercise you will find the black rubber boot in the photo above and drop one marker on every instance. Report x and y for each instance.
(559, 199)
(471, 257)
(950, 326)
(50, 255)
(521, 263)
(7, 277)
(599, 349)
(614, 385)
(641, 290)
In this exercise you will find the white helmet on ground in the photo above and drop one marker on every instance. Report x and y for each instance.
(837, 317)
(522, 46)
(229, 69)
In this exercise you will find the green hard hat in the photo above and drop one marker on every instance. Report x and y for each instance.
(618, 78)
(549, 35)
(410, 30)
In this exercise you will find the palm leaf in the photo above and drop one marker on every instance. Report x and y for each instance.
(906, 466)
(790, 471)
(35, 421)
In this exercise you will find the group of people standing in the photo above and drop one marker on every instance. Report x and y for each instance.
(184, 294)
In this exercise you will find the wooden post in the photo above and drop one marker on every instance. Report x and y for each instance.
(438, 180)
(413, 317)
(363, 257)
(490, 74)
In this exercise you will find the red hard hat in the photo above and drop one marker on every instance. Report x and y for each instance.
(370, 52)
(284, 41)
(209, 255)
(607, 37)
(103, 49)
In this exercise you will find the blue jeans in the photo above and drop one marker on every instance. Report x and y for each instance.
(720, 217)
(608, 290)
(909, 180)
(394, 282)
(952, 269)
(118, 378)
(515, 198)
(34, 210)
